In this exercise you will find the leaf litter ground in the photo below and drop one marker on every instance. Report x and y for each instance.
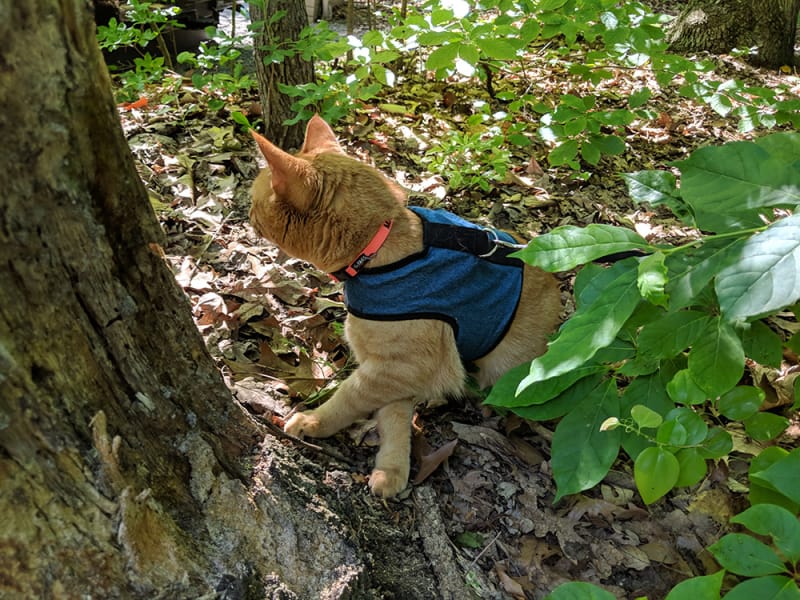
(483, 487)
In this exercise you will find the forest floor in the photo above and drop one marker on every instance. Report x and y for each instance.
(274, 325)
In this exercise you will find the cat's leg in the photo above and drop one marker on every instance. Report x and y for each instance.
(345, 407)
(413, 361)
(392, 462)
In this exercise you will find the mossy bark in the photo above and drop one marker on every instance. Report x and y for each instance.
(123, 457)
(718, 26)
(290, 70)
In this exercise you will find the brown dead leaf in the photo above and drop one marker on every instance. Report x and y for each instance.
(534, 168)
(485, 438)
(593, 507)
(778, 384)
(509, 585)
(429, 459)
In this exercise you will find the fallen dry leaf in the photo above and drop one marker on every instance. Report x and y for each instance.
(428, 459)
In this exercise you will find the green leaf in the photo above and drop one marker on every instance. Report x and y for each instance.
(655, 471)
(762, 490)
(692, 467)
(682, 427)
(497, 49)
(383, 75)
(765, 274)
(683, 389)
(741, 402)
(705, 587)
(652, 278)
(581, 453)
(564, 153)
(609, 144)
(470, 539)
(648, 391)
(639, 97)
(744, 555)
(591, 327)
(548, 5)
(691, 269)
(718, 443)
(566, 247)
(442, 58)
(505, 392)
(590, 152)
(645, 417)
(730, 187)
(772, 587)
(765, 426)
(654, 187)
(579, 590)
(716, 360)
(776, 522)
(785, 144)
(672, 334)
(469, 53)
(781, 475)
(563, 403)
(762, 344)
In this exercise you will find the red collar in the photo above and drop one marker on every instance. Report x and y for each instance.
(367, 254)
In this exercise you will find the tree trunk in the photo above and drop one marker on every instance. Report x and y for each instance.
(290, 70)
(777, 31)
(121, 449)
(718, 26)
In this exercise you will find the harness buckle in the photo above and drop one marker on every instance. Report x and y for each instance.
(496, 242)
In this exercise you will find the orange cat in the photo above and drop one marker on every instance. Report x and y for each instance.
(420, 284)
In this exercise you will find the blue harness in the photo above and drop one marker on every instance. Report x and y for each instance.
(462, 277)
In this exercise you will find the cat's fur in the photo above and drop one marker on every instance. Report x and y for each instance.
(324, 207)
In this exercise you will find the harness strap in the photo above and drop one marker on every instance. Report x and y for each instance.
(483, 243)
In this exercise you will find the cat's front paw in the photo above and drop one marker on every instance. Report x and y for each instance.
(387, 483)
(304, 423)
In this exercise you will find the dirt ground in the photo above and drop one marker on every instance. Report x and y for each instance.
(483, 498)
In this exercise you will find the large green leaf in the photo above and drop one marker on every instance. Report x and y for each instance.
(591, 327)
(563, 403)
(706, 587)
(765, 276)
(744, 555)
(691, 269)
(776, 522)
(772, 587)
(762, 344)
(761, 490)
(673, 333)
(568, 246)
(497, 49)
(716, 360)
(504, 392)
(579, 590)
(730, 187)
(741, 402)
(582, 454)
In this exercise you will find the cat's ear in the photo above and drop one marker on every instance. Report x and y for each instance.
(289, 174)
(320, 137)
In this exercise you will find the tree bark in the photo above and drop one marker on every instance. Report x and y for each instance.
(122, 453)
(290, 70)
(718, 26)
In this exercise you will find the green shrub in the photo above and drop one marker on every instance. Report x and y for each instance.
(657, 343)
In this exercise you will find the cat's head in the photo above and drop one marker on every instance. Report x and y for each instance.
(320, 205)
